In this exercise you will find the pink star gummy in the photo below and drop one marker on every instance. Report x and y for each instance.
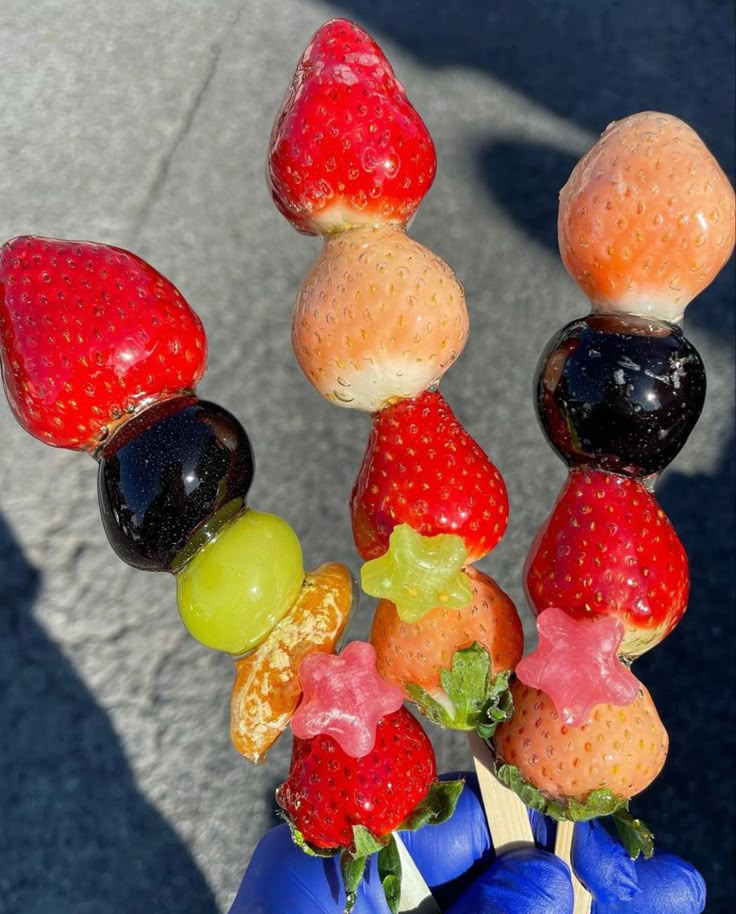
(344, 697)
(577, 664)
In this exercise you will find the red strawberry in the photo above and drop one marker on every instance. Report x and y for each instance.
(328, 792)
(608, 548)
(423, 469)
(90, 334)
(361, 766)
(620, 750)
(347, 147)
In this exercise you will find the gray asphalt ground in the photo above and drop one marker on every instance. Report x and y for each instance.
(144, 124)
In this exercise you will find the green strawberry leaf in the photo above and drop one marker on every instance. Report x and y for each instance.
(467, 683)
(499, 706)
(598, 802)
(514, 780)
(365, 842)
(635, 835)
(429, 707)
(389, 872)
(352, 869)
(298, 838)
(436, 807)
(475, 700)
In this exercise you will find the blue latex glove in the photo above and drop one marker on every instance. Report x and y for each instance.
(664, 883)
(457, 861)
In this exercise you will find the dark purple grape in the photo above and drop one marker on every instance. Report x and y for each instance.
(620, 393)
(171, 476)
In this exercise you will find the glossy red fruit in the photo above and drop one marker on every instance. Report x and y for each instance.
(423, 469)
(327, 791)
(90, 334)
(607, 548)
(347, 148)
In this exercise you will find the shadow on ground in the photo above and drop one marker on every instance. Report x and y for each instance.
(77, 837)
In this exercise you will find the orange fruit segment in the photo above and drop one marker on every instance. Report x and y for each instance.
(266, 690)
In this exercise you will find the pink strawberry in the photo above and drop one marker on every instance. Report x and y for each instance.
(607, 548)
(423, 469)
(379, 317)
(419, 655)
(646, 218)
(613, 755)
(90, 334)
(347, 147)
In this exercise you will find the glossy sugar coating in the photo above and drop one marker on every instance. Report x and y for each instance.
(621, 749)
(90, 334)
(418, 573)
(646, 219)
(266, 690)
(607, 548)
(179, 469)
(328, 792)
(238, 586)
(344, 698)
(422, 468)
(347, 148)
(417, 652)
(378, 318)
(577, 664)
(619, 392)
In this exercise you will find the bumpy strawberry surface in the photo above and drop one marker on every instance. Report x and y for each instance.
(378, 317)
(423, 469)
(90, 334)
(417, 652)
(620, 749)
(608, 548)
(327, 791)
(347, 147)
(646, 219)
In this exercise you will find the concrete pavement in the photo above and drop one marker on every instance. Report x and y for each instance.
(145, 125)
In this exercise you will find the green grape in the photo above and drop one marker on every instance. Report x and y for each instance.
(233, 592)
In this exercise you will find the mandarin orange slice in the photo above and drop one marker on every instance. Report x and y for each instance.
(266, 690)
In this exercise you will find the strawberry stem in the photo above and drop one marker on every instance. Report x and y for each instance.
(476, 700)
(597, 803)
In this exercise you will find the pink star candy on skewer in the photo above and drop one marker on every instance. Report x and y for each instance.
(577, 664)
(344, 697)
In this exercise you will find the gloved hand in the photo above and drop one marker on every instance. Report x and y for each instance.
(458, 863)
(664, 883)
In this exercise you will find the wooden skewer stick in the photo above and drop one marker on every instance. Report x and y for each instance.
(416, 896)
(563, 849)
(507, 816)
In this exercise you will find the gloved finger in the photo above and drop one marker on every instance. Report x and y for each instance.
(667, 885)
(543, 829)
(444, 852)
(524, 881)
(282, 879)
(603, 864)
